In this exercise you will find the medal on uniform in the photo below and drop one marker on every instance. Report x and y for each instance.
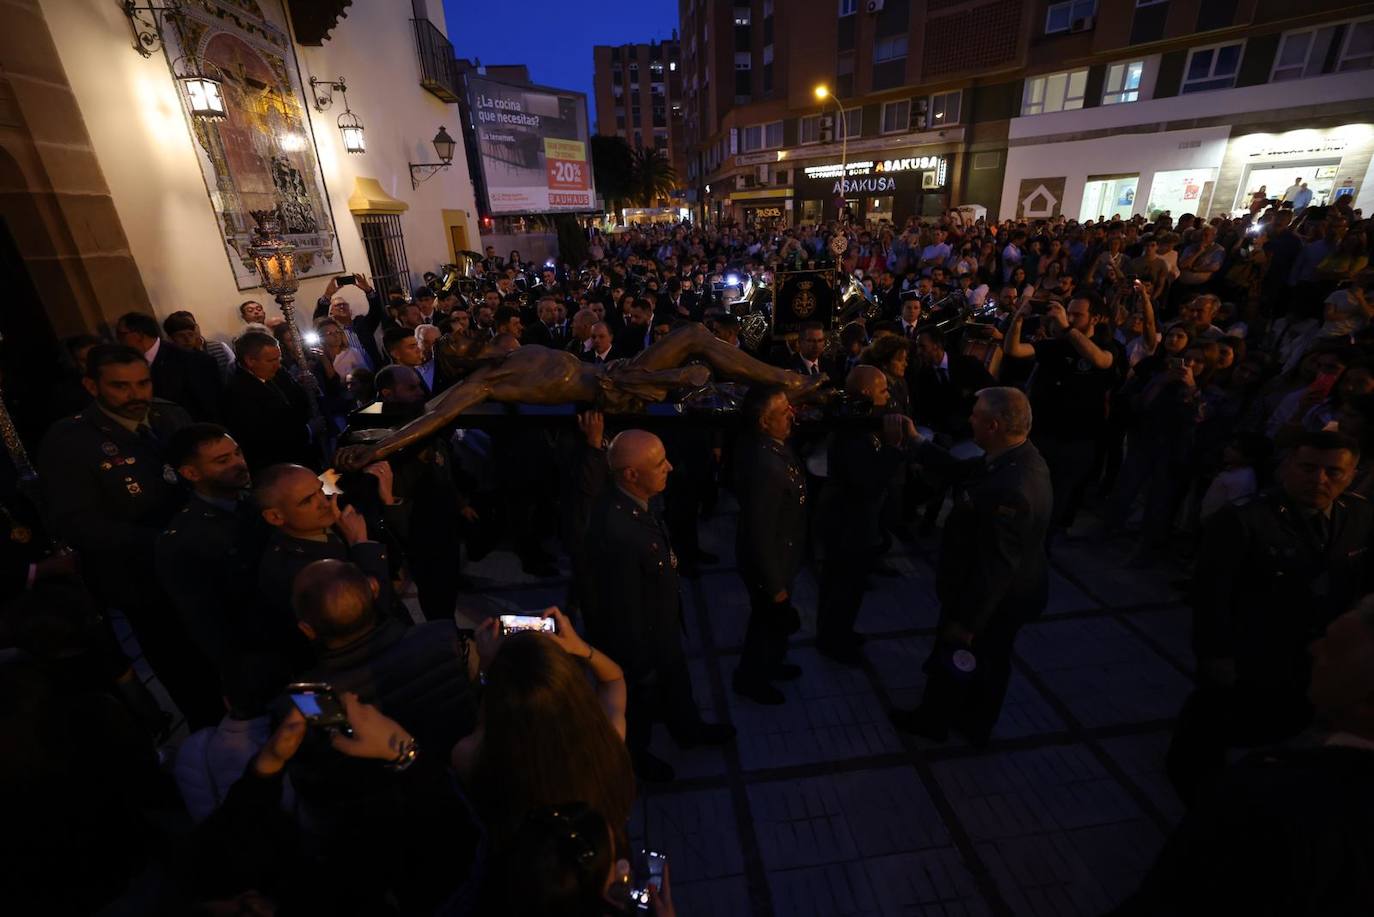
(109, 449)
(21, 534)
(168, 474)
(133, 489)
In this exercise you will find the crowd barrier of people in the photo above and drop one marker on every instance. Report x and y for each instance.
(371, 732)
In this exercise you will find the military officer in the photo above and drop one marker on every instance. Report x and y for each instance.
(770, 540)
(207, 559)
(992, 576)
(634, 610)
(309, 526)
(108, 493)
(1275, 570)
(861, 465)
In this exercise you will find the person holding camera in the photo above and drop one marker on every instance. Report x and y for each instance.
(770, 540)
(1076, 367)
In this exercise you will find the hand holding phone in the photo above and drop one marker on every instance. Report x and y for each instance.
(649, 879)
(514, 624)
(346, 280)
(320, 706)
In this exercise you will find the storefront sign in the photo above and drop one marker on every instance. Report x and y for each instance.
(876, 166)
(1315, 148)
(767, 213)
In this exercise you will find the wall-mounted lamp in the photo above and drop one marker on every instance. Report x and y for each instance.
(147, 22)
(201, 88)
(350, 126)
(443, 146)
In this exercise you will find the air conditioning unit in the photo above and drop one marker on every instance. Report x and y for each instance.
(1081, 25)
(875, 6)
(827, 128)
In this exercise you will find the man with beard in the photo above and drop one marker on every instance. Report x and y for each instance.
(207, 559)
(109, 492)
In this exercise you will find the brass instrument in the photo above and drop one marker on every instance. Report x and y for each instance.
(460, 277)
(855, 303)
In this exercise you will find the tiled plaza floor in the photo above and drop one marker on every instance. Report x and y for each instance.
(822, 808)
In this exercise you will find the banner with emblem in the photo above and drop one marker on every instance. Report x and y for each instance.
(800, 297)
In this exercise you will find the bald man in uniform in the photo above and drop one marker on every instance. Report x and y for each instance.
(309, 526)
(634, 609)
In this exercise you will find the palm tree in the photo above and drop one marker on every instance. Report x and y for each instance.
(654, 176)
(613, 168)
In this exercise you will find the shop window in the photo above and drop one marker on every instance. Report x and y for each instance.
(1108, 196)
(944, 108)
(1055, 92)
(812, 211)
(888, 49)
(1070, 16)
(896, 116)
(1122, 83)
(809, 129)
(1358, 51)
(1212, 68)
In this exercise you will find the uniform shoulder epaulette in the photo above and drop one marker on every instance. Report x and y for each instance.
(1352, 495)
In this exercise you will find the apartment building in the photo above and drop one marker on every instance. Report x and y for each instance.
(1031, 107)
(638, 89)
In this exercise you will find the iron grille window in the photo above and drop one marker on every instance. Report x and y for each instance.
(385, 245)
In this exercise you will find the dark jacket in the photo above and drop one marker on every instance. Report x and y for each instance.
(284, 557)
(861, 467)
(770, 540)
(992, 555)
(418, 676)
(270, 420)
(634, 609)
(207, 560)
(945, 406)
(629, 341)
(189, 378)
(109, 494)
(1287, 832)
(1271, 588)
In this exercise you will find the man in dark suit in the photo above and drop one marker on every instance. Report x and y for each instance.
(679, 303)
(635, 336)
(187, 377)
(207, 558)
(944, 386)
(1280, 566)
(992, 576)
(544, 332)
(602, 349)
(109, 492)
(770, 541)
(810, 359)
(634, 610)
(265, 409)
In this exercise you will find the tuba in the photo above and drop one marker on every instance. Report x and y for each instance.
(855, 303)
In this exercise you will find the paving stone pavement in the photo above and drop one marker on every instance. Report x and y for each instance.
(822, 808)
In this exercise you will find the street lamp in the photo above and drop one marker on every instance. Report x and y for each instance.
(275, 259)
(822, 93)
(443, 146)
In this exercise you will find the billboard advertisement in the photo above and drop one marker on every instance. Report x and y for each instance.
(532, 144)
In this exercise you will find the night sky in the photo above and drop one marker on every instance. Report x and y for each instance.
(554, 38)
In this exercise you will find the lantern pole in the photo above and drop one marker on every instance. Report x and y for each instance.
(269, 249)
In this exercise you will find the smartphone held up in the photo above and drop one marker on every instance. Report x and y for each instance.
(514, 624)
(320, 705)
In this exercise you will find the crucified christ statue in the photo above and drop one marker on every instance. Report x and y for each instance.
(541, 375)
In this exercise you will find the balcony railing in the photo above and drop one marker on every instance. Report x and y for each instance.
(438, 68)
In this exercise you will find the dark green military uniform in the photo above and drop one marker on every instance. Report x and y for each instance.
(285, 557)
(634, 615)
(992, 577)
(109, 494)
(1270, 578)
(770, 545)
(207, 560)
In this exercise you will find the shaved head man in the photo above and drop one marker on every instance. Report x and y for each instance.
(870, 382)
(333, 601)
(639, 464)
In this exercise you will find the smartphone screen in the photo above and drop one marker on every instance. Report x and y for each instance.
(344, 281)
(514, 624)
(649, 874)
(320, 706)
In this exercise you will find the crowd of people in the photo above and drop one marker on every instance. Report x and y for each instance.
(1203, 387)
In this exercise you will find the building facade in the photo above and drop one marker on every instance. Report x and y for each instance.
(1085, 108)
(118, 196)
(638, 90)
